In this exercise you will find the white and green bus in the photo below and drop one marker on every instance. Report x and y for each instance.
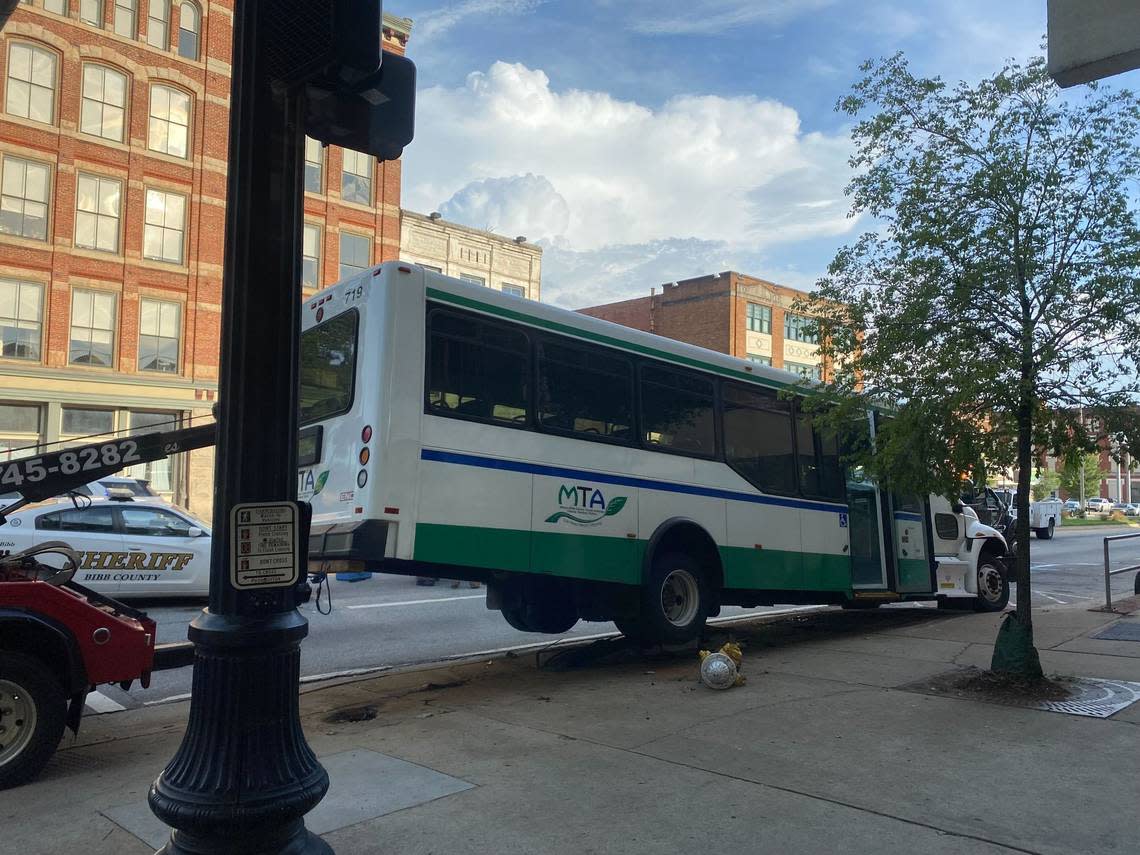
(587, 471)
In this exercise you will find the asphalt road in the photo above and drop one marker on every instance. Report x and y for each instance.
(387, 621)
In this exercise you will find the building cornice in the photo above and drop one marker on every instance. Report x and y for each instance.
(469, 230)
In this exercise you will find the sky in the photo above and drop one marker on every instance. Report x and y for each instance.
(644, 141)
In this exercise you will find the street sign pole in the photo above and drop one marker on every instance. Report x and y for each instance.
(244, 777)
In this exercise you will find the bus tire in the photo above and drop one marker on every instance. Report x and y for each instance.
(1047, 532)
(860, 605)
(674, 602)
(993, 584)
(33, 711)
(545, 615)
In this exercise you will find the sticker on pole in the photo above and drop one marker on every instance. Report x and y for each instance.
(264, 545)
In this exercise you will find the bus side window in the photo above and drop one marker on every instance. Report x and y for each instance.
(677, 411)
(584, 391)
(758, 438)
(477, 369)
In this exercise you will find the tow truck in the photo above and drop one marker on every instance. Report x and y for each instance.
(58, 639)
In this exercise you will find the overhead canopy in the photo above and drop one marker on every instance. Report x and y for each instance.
(1091, 39)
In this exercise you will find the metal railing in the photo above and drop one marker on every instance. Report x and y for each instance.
(1108, 574)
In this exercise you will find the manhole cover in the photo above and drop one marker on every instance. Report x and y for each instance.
(1122, 630)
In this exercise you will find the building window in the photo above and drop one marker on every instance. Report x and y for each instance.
(474, 280)
(314, 166)
(31, 82)
(158, 24)
(759, 360)
(169, 129)
(91, 12)
(759, 318)
(160, 325)
(160, 474)
(126, 12)
(78, 422)
(189, 26)
(24, 198)
(104, 104)
(356, 177)
(19, 428)
(813, 372)
(355, 253)
(57, 6)
(799, 328)
(97, 213)
(311, 257)
(21, 319)
(432, 268)
(165, 230)
(92, 329)
(514, 290)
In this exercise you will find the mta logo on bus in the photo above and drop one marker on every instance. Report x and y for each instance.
(584, 505)
(308, 485)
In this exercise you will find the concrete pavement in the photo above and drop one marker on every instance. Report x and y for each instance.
(831, 746)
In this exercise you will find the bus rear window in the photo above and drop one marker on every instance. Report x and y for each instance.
(328, 367)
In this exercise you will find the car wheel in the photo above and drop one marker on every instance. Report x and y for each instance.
(33, 710)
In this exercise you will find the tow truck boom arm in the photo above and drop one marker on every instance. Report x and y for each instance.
(58, 472)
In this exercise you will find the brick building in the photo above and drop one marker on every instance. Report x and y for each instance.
(113, 150)
(729, 312)
(511, 265)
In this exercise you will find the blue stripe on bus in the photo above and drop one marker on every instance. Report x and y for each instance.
(900, 515)
(623, 480)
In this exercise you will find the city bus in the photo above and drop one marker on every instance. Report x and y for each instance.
(588, 471)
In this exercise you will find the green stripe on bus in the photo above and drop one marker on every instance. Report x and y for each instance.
(618, 559)
(555, 326)
(914, 574)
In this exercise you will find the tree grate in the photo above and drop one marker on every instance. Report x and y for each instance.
(1091, 697)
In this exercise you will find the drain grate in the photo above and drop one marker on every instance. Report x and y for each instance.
(1093, 697)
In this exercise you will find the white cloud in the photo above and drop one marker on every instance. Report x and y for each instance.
(436, 22)
(508, 150)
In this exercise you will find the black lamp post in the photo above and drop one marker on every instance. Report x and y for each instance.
(244, 777)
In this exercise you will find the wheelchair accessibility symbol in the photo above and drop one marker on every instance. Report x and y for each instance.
(843, 520)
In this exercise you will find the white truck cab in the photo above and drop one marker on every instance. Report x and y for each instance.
(971, 556)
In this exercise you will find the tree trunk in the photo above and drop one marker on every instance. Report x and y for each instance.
(1014, 651)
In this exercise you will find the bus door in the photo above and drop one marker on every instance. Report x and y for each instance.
(869, 565)
(912, 549)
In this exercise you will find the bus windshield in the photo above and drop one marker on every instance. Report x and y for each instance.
(328, 367)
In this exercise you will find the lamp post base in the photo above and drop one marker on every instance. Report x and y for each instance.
(244, 776)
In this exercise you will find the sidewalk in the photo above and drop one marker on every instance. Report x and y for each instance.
(603, 751)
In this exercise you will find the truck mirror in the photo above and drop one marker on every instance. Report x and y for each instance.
(194, 531)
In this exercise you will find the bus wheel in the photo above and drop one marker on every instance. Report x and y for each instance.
(33, 708)
(544, 614)
(674, 603)
(1046, 533)
(993, 585)
(860, 605)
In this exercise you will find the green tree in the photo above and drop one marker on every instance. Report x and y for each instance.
(1071, 475)
(1045, 485)
(1000, 290)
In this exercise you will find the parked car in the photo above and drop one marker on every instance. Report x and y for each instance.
(130, 547)
(1072, 505)
(1096, 503)
(1132, 509)
(135, 487)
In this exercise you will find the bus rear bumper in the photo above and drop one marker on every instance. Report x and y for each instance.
(361, 541)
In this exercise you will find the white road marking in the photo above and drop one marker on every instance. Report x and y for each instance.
(1054, 599)
(415, 602)
(102, 704)
(168, 700)
(1064, 594)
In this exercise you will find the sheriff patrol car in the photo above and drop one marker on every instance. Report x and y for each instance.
(129, 547)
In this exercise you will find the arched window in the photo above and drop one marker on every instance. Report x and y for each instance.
(103, 107)
(189, 27)
(32, 75)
